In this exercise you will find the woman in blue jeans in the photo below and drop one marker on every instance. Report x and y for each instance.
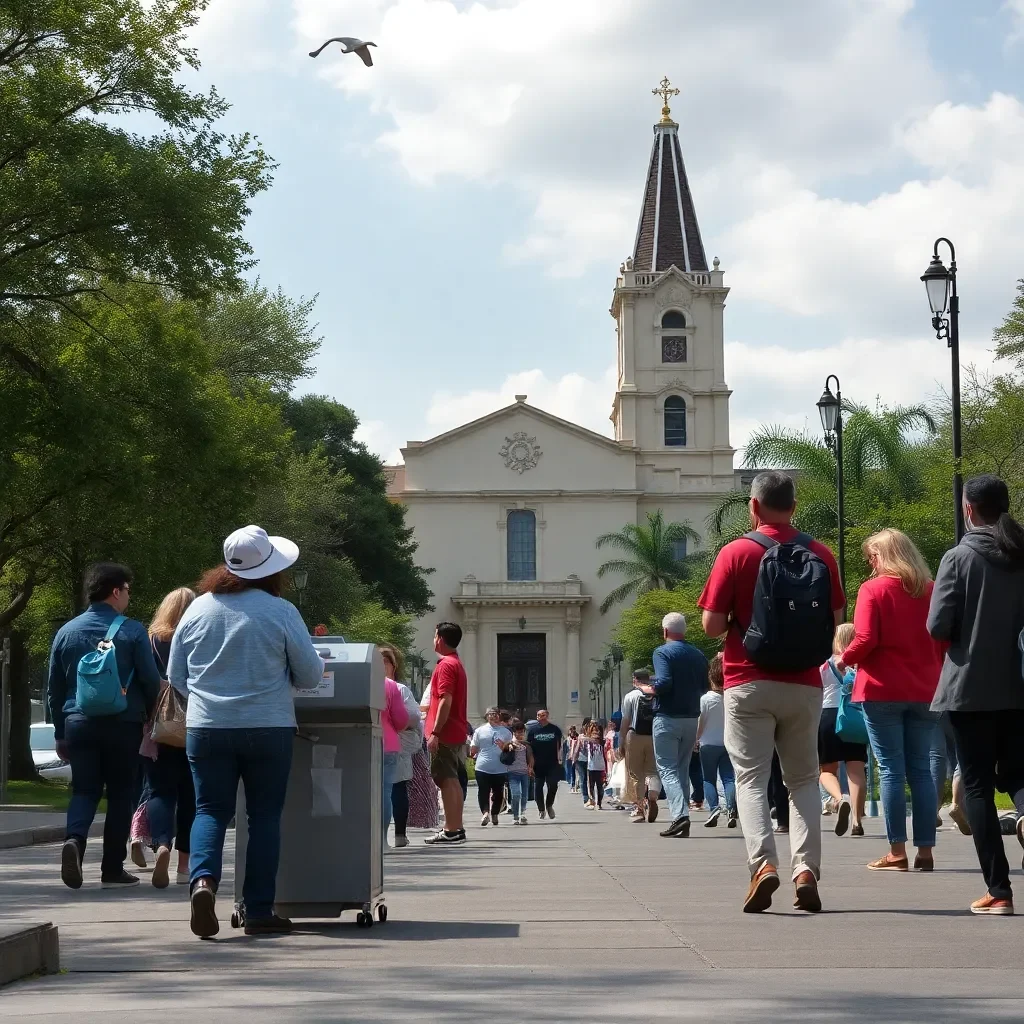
(711, 741)
(237, 652)
(898, 665)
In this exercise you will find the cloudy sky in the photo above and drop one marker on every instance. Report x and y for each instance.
(462, 207)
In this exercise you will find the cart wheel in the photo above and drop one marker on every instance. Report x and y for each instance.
(363, 920)
(382, 913)
(236, 921)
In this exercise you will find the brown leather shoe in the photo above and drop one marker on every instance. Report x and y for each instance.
(924, 863)
(807, 897)
(762, 885)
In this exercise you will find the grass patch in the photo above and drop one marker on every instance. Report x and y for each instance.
(43, 793)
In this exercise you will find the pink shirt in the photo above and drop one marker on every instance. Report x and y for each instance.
(394, 717)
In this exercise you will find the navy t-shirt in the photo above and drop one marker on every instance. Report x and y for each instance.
(546, 742)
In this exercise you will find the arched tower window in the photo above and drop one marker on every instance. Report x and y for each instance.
(675, 422)
(522, 544)
(673, 346)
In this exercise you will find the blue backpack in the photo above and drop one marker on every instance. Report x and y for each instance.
(99, 683)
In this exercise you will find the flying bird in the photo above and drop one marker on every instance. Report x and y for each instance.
(348, 45)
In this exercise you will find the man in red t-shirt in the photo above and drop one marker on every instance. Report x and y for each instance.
(447, 727)
(767, 709)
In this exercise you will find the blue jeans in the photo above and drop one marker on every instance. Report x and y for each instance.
(389, 765)
(581, 774)
(172, 798)
(715, 762)
(673, 748)
(519, 788)
(943, 756)
(902, 734)
(104, 753)
(570, 772)
(262, 760)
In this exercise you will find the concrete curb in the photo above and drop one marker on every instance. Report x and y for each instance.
(38, 836)
(29, 949)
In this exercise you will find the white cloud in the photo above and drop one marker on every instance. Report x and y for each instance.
(554, 98)
(573, 397)
(776, 385)
(860, 261)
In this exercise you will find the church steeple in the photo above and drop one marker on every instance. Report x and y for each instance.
(668, 233)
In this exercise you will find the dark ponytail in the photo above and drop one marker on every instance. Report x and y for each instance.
(989, 496)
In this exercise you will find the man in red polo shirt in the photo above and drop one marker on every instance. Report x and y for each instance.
(447, 727)
(769, 709)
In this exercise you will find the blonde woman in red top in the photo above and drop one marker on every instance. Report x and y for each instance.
(898, 665)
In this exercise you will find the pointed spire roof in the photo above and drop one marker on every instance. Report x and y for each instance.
(668, 233)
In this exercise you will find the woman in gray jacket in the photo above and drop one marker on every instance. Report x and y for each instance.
(978, 608)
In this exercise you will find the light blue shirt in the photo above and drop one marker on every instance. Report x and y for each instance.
(237, 657)
(488, 757)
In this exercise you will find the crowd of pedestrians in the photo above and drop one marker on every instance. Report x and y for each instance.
(169, 721)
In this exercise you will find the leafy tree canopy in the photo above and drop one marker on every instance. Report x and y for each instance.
(83, 201)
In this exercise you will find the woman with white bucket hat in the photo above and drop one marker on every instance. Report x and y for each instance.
(237, 652)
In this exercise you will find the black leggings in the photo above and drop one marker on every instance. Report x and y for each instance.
(549, 777)
(490, 789)
(400, 806)
(596, 786)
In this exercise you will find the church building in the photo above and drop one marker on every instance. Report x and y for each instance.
(506, 509)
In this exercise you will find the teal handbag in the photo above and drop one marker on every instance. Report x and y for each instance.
(850, 727)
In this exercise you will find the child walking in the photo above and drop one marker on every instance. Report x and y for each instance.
(597, 764)
(713, 757)
(519, 772)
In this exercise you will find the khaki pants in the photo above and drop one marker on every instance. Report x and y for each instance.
(761, 717)
(639, 764)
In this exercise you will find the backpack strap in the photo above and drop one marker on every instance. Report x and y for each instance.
(119, 621)
(805, 540)
(759, 538)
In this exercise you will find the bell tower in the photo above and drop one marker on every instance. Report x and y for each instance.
(671, 398)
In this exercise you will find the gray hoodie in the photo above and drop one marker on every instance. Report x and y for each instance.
(978, 607)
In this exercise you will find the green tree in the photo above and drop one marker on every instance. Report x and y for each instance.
(372, 623)
(376, 538)
(1009, 335)
(651, 562)
(83, 202)
(638, 631)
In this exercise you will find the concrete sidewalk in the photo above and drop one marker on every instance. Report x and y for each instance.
(587, 918)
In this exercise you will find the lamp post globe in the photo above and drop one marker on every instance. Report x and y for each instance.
(828, 409)
(936, 283)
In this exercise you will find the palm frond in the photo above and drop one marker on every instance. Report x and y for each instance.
(628, 589)
(780, 448)
(715, 522)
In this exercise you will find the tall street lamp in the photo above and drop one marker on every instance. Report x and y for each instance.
(940, 284)
(830, 408)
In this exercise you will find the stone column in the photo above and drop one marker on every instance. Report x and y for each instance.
(471, 663)
(572, 663)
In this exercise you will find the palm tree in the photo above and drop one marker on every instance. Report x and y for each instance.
(651, 563)
(881, 466)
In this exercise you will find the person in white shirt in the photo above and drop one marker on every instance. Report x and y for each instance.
(711, 740)
(488, 743)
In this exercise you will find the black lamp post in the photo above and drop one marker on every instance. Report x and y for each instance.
(940, 284)
(830, 408)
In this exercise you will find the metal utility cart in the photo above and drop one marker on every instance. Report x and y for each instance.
(331, 835)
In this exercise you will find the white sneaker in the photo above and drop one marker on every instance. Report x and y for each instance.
(485, 821)
(182, 878)
(401, 841)
(522, 819)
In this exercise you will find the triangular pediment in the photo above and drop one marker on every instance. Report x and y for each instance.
(517, 411)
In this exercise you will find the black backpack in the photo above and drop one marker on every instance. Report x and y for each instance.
(643, 725)
(791, 622)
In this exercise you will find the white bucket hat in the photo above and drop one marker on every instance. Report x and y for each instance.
(252, 555)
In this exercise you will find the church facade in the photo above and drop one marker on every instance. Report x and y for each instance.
(506, 509)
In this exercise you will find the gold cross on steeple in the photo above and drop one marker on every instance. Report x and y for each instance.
(665, 90)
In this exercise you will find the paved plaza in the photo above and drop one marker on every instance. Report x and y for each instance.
(588, 918)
